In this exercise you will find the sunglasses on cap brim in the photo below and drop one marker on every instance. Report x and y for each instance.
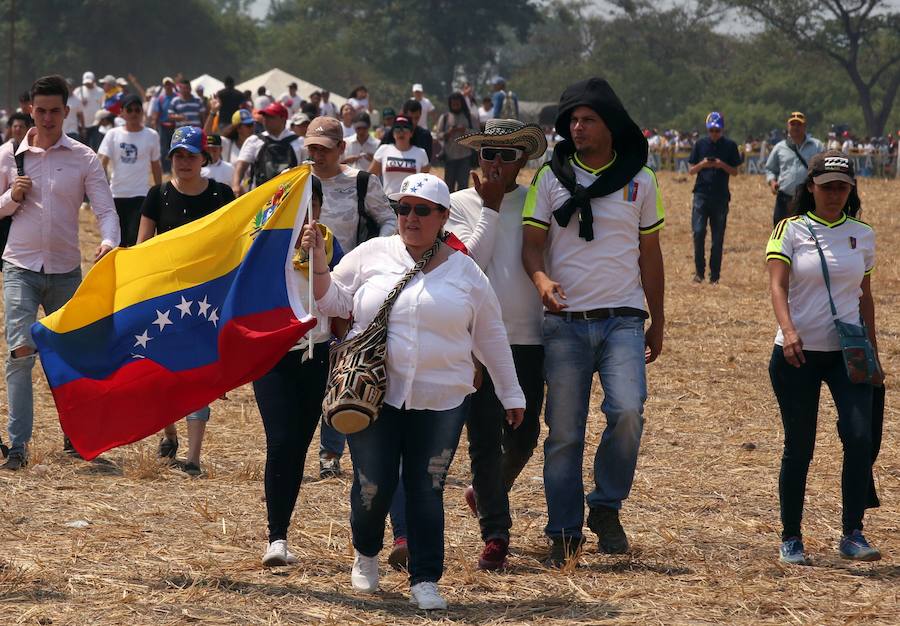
(421, 210)
(507, 155)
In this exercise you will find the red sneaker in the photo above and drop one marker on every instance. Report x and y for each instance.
(399, 557)
(469, 495)
(493, 557)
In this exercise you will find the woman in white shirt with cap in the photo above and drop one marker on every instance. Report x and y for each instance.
(807, 348)
(445, 314)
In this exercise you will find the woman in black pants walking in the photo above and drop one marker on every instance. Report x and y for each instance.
(289, 398)
(807, 298)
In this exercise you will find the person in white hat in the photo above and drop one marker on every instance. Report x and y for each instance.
(427, 108)
(90, 99)
(447, 312)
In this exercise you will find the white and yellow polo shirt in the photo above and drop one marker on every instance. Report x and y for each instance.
(602, 273)
(849, 248)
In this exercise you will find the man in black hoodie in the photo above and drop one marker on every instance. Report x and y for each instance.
(595, 211)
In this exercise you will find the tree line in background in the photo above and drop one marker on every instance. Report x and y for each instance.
(838, 62)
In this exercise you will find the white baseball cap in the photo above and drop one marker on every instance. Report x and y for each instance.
(417, 87)
(88, 77)
(427, 186)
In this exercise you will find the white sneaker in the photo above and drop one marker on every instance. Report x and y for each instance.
(278, 555)
(427, 597)
(364, 575)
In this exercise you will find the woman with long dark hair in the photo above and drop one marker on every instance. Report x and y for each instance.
(457, 159)
(820, 263)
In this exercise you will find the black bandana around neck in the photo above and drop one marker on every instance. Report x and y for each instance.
(629, 144)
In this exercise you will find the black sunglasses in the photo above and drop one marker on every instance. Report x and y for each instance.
(422, 210)
(507, 155)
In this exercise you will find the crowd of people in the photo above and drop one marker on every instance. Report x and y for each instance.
(489, 297)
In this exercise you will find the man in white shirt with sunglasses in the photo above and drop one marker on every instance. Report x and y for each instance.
(488, 220)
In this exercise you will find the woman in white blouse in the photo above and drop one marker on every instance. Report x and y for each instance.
(443, 316)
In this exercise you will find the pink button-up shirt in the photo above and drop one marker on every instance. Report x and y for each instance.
(44, 231)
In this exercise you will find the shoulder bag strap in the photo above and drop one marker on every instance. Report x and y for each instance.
(799, 156)
(385, 310)
(824, 265)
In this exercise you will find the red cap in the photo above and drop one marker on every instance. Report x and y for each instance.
(276, 109)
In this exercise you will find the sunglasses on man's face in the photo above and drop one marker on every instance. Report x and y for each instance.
(507, 155)
(422, 210)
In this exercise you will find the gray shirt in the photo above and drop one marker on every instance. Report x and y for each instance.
(784, 166)
(339, 207)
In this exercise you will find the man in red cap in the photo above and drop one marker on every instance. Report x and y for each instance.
(270, 153)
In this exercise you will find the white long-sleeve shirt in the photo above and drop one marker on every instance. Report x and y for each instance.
(494, 241)
(437, 322)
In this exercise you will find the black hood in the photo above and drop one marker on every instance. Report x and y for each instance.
(628, 140)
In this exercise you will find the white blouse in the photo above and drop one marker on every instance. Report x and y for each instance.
(437, 322)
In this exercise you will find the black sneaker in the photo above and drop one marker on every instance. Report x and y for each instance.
(69, 449)
(191, 469)
(605, 522)
(329, 466)
(15, 461)
(563, 549)
(4, 450)
(167, 448)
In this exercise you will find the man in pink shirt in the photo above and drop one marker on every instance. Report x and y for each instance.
(42, 187)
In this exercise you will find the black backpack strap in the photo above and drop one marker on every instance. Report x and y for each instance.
(20, 160)
(362, 188)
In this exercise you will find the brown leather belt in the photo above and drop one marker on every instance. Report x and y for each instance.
(600, 314)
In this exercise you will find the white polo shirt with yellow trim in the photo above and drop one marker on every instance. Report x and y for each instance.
(849, 248)
(603, 273)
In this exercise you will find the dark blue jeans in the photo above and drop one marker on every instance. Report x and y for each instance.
(289, 397)
(712, 210)
(797, 390)
(425, 443)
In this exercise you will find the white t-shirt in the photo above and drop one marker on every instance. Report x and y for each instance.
(291, 103)
(427, 108)
(91, 102)
(70, 124)
(435, 325)
(352, 147)
(847, 147)
(494, 241)
(340, 207)
(261, 102)
(359, 104)
(349, 131)
(397, 165)
(849, 248)
(484, 116)
(130, 155)
(221, 172)
(603, 273)
(329, 109)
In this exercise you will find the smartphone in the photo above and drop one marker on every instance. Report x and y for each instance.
(709, 159)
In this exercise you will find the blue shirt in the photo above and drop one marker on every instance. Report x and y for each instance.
(784, 166)
(713, 181)
(190, 107)
(499, 97)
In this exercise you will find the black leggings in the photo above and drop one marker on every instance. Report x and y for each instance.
(289, 397)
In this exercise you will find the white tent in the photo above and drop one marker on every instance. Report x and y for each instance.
(277, 81)
(210, 84)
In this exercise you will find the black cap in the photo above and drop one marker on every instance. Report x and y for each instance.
(214, 141)
(131, 99)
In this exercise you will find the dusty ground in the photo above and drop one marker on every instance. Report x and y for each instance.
(703, 517)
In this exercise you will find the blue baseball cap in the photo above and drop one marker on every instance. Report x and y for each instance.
(715, 120)
(191, 138)
(242, 116)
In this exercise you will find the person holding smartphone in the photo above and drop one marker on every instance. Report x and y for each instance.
(713, 160)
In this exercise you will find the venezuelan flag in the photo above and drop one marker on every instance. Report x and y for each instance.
(161, 329)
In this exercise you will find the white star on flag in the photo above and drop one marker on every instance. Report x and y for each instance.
(162, 319)
(204, 306)
(142, 340)
(214, 318)
(184, 307)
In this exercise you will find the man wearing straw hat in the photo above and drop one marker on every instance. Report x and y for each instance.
(488, 220)
(595, 211)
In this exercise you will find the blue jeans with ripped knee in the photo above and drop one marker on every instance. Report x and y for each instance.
(425, 442)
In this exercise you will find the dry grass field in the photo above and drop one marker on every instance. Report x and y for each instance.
(156, 547)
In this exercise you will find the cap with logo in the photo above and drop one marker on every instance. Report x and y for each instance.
(797, 116)
(830, 166)
(426, 186)
(88, 77)
(324, 131)
(242, 117)
(214, 141)
(191, 138)
(276, 109)
(715, 120)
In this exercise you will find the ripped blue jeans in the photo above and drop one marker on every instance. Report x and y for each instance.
(424, 441)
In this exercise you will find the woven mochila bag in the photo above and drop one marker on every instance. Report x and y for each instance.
(357, 380)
